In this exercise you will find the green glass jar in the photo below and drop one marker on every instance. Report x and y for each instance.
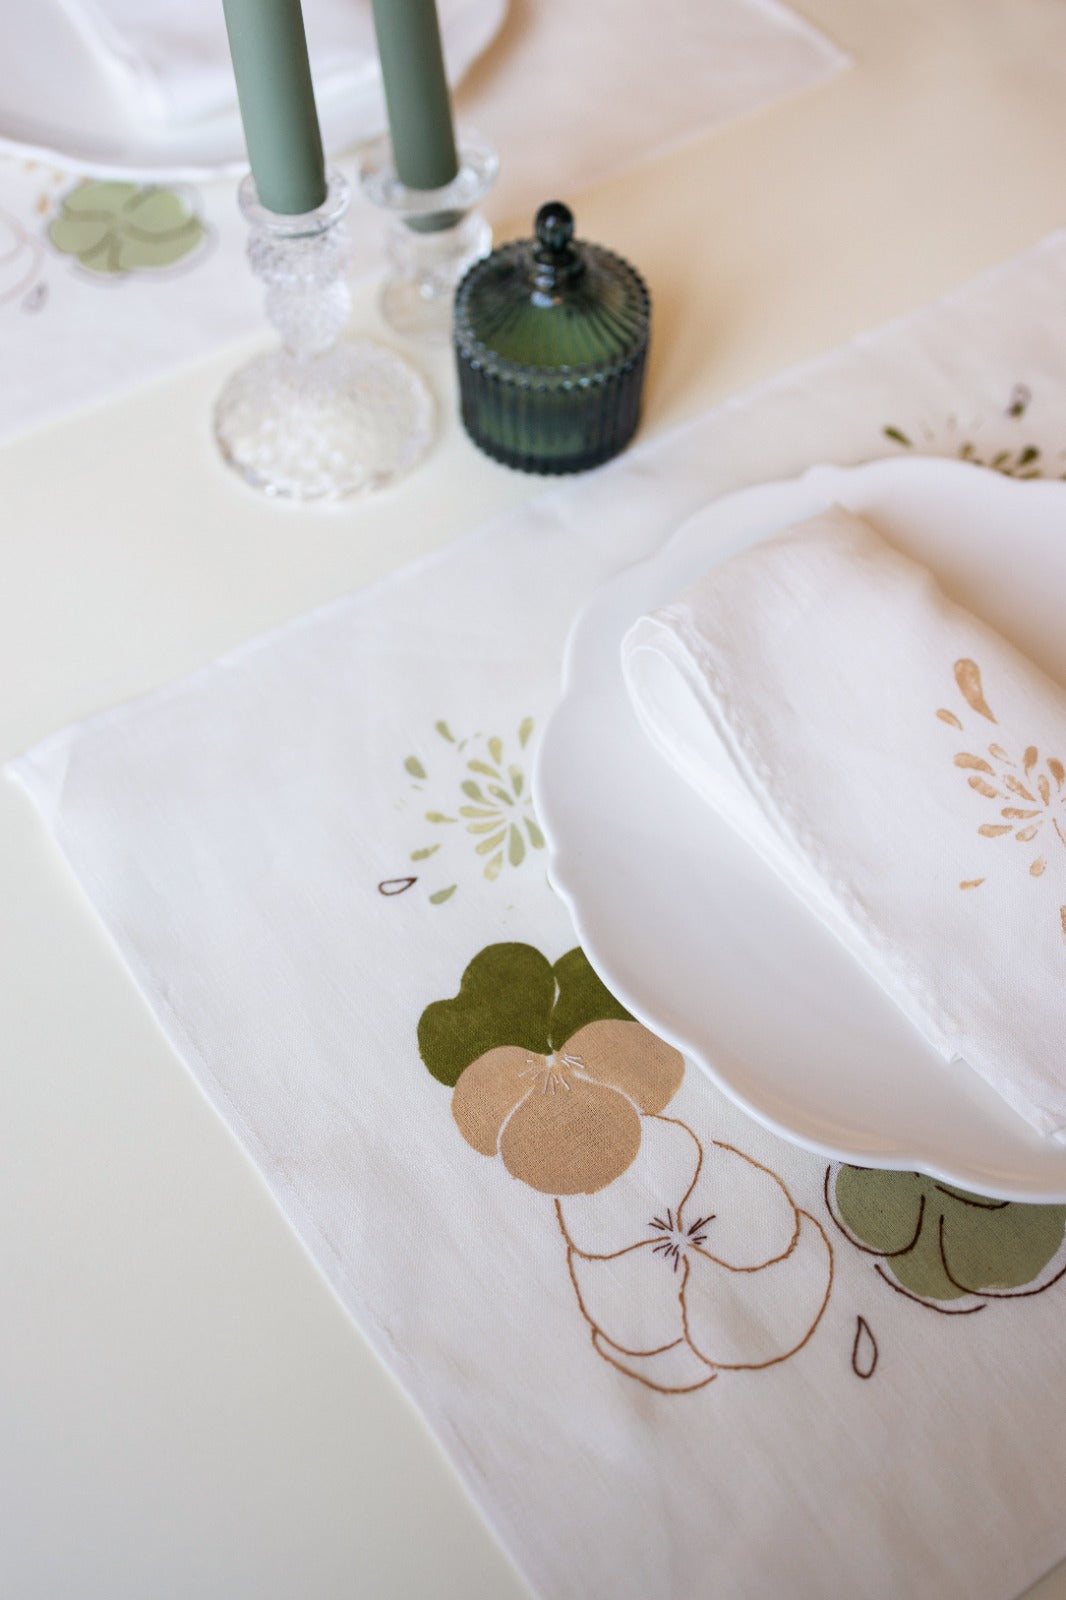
(551, 340)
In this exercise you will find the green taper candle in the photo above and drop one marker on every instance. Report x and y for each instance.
(269, 50)
(416, 92)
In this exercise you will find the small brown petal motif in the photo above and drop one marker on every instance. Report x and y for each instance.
(983, 788)
(964, 759)
(968, 678)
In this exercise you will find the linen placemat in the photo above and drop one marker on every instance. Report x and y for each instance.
(105, 284)
(668, 1353)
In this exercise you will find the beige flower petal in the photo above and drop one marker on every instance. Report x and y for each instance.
(634, 1299)
(570, 1137)
(629, 1057)
(653, 1186)
(488, 1090)
(968, 678)
(678, 1370)
(756, 1318)
(754, 1220)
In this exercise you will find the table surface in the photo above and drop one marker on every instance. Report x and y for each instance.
(185, 1409)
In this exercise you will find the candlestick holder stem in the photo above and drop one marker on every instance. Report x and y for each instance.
(433, 235)
(323, 416)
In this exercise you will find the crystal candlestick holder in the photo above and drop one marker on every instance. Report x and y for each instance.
(324, 415)
(433, 235)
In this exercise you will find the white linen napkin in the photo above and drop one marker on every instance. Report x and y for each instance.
(900, 764)
(171, 65)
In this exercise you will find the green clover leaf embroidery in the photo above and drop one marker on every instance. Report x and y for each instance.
(114, 227)
(947, 1248)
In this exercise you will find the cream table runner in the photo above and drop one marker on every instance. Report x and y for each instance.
(104, 284)
(668, 1353)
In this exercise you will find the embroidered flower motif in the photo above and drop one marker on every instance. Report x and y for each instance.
(549, 1072)
(1002, 454)
(949, 1249)
(1033, 786)
(568, 1122)
(685, 1261)
(116, 227)
(693, 1262)
(495, 808)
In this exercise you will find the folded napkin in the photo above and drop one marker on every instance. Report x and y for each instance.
(171, 64)
(900, 764)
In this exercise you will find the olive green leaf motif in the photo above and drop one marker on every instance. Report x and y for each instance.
(944, 1247)
(484, 796)
(510, 994)
(1005, 452)
(115, 228)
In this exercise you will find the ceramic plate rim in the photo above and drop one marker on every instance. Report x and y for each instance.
(1036, 1168)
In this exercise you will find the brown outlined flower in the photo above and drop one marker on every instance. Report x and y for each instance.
(568, 1122)
(696, 1260)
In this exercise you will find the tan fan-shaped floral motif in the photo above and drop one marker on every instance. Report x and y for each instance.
(1028, 788)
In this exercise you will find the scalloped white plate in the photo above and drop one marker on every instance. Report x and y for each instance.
(699, 938)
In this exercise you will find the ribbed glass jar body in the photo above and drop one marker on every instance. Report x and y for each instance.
(551, 341)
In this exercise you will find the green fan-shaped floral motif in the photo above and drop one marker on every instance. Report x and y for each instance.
(114, 227)
(943, 1246)
(485, 797)
(1001, 439)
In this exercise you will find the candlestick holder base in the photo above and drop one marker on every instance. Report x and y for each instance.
(323, 416)
(433, 237)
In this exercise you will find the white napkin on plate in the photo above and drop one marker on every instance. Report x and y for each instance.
(170, 64)
(900, 764)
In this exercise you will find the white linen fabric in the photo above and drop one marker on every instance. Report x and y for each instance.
(175, 60)
(706, 1363)
(142, 66)
(92, 309)
(800, 687)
